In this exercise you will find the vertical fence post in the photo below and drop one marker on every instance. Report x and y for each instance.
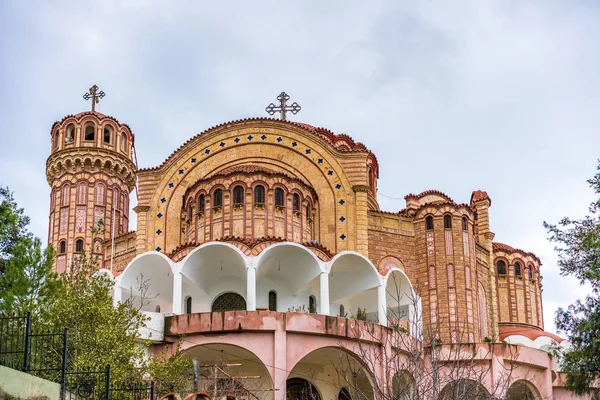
(27, 341)
(107, 392)
(63, 372)
(152, 390)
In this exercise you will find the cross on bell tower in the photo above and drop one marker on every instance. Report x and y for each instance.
(95, 95)
(283, 108)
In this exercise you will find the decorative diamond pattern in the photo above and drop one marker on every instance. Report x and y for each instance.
(250, 137)
(338, 186)
(342, 202)
(330, 172)
(320, 161)
(342, 219)
(307, 151)
(237, 140)
(193, 160)
(263, 137)
(180, 171)
(158, 232)
(163, 200)
(171, 185)
(279, 139)
(294, 144)
(159, 215)
(343, 237)
(207, 151)
(222, 144)
(158, 249)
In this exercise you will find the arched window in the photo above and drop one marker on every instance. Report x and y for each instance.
(62, 247)
(344, 394)
(312, 304)
(464, 224)
(229, 301)
(79, 245)
(530, 272)
(66, 195)
(82, 193)
(279, 197)
(190, 212)
(100, 193)
(272, 301)
(116, 200)
(518, 269)
(89, 133)
(342, 311)
(55, 140)
(238, 195)
(201, 203)
(70, 136)
(308, 213)
(124, 142)
(447, 222)
(218, 198)
(429, 223)
(107, 135)
(301, 389)
(296, 202)
(501, 267)
(188, 305)
(259, 195)
(157, 308)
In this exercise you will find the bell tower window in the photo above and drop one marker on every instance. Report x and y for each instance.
(107, 135)
(70, 134)
(89, 132)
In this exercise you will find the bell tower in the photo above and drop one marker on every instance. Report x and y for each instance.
(91, 172)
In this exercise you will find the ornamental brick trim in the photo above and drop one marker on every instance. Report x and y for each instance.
(361, 188)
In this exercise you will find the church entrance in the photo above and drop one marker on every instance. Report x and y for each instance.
(229, 301)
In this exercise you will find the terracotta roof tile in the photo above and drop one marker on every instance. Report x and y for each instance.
(480, 195)
(497, 246)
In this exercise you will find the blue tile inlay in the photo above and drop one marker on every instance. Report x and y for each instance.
(343, 236)
(158, 232)
(330, 172)
(263, 137)
(342, 202)
(222, 144)
(171, 185)
(159, 215)
(320, 161)
(294, 144)
(207, 151)
(158, 249)
(307, 151)
(250, 137)
(237, 139)
(338, 186)
(279, 139)
(193, 160)
(180, 171)
(342, 219)
(163, 200)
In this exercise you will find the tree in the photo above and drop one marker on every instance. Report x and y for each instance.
(13, 226)
(28, 283)
(578, 247)
(170, 372)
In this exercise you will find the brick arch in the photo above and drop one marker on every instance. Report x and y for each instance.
(297, 163)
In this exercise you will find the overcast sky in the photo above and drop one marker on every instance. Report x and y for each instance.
(501, 96)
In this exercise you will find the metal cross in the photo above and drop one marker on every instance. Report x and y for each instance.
(95, 95)
(283, 108)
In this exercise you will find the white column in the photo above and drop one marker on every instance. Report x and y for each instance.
(117, 295)
(324, 289)
(177, 293)
(382, 305)
(250, 288)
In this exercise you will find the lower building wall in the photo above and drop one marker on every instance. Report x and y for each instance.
(20, 384)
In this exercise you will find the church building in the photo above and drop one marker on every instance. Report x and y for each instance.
(263, 244)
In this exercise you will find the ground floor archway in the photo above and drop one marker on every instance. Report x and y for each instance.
(521, 390)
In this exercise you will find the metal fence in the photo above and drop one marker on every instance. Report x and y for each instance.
(44, 354)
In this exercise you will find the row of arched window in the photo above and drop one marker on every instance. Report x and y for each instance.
(239, 197)
(232, 301)
(120, 200)
(89, 135)
(501, 269)
(62, 246)
(447, 222)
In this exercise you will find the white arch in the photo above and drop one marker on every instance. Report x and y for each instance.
(209, 270)
(157, 272)
(401, 300)
(106, 272)
(355, 283)
(291, 270)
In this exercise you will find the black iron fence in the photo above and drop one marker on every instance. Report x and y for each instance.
(44, 354)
